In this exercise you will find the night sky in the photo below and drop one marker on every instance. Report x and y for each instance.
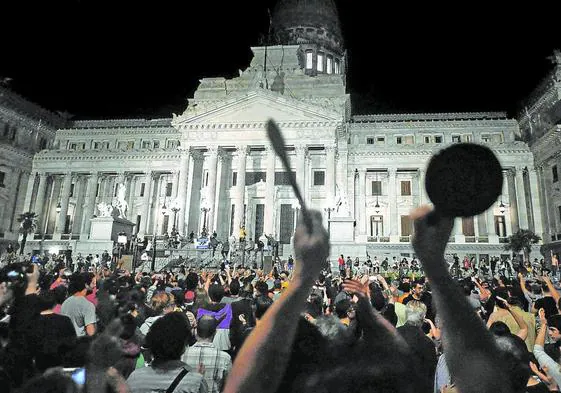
(96, 59)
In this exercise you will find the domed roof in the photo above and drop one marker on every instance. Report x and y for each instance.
(311, 21)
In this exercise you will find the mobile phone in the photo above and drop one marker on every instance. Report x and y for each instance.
(78, 375)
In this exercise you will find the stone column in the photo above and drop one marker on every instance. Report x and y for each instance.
(211, 187)
(423, 199)
(130, 199)
(535, 202)
(521, 198)
(64, 199)
(40, 200)
(268, 225)
(29, 192)
(458, 231)
(79, 191)
(301, 152)
(89, 206)
(17, 186)
(361, 208)
(194, 184)
(543, 204)
(182, 192)
(512, 200)
(148, 188)
(330, 152)
(240, 189)
(392, 201)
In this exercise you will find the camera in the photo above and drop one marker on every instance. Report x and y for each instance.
(15, 275)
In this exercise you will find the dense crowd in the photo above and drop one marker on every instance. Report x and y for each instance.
(371, 326)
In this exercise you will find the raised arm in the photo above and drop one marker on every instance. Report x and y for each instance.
(466, 340)
(552, 289)
(523, 332)
(263, 358)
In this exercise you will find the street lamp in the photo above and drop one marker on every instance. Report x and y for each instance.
(58, 207)
(502, 207)
(175, 207)
(153, 265)
(204, 209)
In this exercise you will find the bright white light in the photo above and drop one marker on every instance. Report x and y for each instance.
(53, 250)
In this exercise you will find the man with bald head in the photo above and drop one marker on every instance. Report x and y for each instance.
(217, 364)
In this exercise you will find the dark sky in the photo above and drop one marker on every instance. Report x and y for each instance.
(97, 59)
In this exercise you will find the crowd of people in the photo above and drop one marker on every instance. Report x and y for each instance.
(91, 326)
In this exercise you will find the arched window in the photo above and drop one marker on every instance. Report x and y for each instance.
(337, 66)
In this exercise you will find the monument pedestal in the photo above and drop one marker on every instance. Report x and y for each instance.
(341, 229)
(103, 234)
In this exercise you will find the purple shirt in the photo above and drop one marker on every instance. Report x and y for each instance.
(224, 315)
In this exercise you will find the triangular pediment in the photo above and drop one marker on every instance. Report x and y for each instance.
(254, 107)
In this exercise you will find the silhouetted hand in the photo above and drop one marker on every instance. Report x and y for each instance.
(429, 241)
(311, 248)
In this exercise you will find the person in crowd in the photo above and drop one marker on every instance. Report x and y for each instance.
(161, 304)
(80, 311)
(167, 340)
(217, 364)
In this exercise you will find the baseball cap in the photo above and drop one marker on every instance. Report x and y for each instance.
(189, 296)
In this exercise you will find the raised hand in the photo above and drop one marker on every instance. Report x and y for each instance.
(311, 248)
(357, 288)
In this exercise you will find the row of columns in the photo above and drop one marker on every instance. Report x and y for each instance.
(520, 188)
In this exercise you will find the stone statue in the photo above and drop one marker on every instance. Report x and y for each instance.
(341, 203)
(119, 202)
(104, 209)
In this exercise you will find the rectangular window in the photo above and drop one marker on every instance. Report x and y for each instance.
(456, 139)
(105, 145)
(369, 141)
(320, 62)
(380, 140)
(376, 187)
(406, 187)
(97, 145)
(142, 189)
(156, 144)
(169, 187)
(329, 64)
(437, 139)
(466, 138)
(337, 66)
(71, 191)
(254, 177)
(146, 144)
(282, 178)
(2, 178)
(172, 144)
(14, 133)
(259, 219)
(498, 137)
(398, 140)
(138, 220)
(309, 59)
(234, 179)
(485, 138)
(165, 225)
(73, 146)
(406, 226)
(468, 228)
(554, 173)
(97, 190)
(319, 178)
(232, 215)
(427, 139)
(408, 140)
(286, 223)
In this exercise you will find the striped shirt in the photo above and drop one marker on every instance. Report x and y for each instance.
(217, 363)
(156, 380)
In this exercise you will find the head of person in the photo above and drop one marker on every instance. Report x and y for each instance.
(554, 327)
(168, 337)
(417, 287)
(262, 304)
(415, 313)
(514, 360)
(77, 285)
(216, 293)
(162, 303)
(235, 287)
(206, 328)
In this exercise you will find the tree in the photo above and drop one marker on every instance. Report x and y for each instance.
(522, 241)
(28, 225)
